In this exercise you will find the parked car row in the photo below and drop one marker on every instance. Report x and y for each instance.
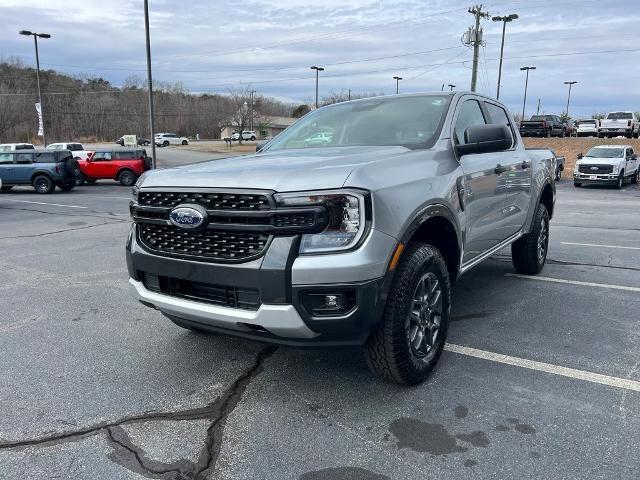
(544, 126)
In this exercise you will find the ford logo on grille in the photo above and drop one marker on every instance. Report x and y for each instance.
(189, 217)
(594, 168)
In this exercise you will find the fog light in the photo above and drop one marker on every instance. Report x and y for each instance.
(321, 304)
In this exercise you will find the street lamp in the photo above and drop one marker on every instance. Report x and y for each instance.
(317, 69)
(35, 35)
(397, 79)
(150, 82)
(569, 97)
(526, 84)
(451, 87)
(504, 20)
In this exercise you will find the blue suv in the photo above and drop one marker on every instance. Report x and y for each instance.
(44, 169)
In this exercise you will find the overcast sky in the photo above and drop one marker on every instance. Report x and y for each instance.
(210, 46)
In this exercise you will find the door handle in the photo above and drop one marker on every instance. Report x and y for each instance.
(524, 165)
(500, 169)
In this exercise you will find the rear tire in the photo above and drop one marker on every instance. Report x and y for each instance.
(79, 179)
(405, 346)
(127, 178)
(165, 143)
(184, 142)
(636, 177)
(529, 252)
(43, 184)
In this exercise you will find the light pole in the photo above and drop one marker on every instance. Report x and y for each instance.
(397, 79)
(504, 20)
(150, 82)
(451, 87)
(569, 97)
(251, 113)
(35, 39)
(526, 84)
(317, 69)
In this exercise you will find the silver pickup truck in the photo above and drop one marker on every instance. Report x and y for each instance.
(352, 241)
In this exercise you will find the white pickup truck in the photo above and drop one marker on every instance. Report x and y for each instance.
(607, 164)
(75, 148)
(619, 123)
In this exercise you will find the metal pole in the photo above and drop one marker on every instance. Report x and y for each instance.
(504, 27)
(526, 84)
(569, 96)
(316, 88)
(397, 86)
(476, 50)
(150, 81)
(251, 112)
(349, 94)
(538, 109)
(35, 39)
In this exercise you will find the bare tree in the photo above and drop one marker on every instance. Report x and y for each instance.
(239, 110)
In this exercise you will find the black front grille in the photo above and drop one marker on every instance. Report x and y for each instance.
(211, 200)
(234, 297)
(595, 169)
(206, 245)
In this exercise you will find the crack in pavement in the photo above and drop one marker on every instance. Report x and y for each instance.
(63, 231)
(132, 457)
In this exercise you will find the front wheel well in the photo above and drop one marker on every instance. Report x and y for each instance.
(547, 199)
(440, 232)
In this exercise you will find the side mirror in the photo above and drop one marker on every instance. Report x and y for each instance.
(260, 145)
(634, 156)
(579, 156)
(485, 139)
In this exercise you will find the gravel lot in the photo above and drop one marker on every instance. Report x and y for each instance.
(94, 385)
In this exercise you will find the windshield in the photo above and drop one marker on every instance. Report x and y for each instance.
(600, 152)
(620, 116)
(407, 121)
(541, 117)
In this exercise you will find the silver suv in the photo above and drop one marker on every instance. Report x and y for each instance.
(354, 241)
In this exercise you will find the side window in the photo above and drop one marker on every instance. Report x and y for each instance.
(6, 159)
(498, 115)
(24, 158)
(102, 157)
(123, 155)
(469, 115)
(45, 157)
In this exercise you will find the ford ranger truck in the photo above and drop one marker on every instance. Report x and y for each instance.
(356, 241)
(607, 165)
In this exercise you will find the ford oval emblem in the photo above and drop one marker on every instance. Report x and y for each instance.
(187, 217)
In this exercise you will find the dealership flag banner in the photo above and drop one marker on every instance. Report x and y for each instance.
(40, 125)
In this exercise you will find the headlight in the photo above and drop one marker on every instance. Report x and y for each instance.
(138, 184)
(616, 168)
(347, 218)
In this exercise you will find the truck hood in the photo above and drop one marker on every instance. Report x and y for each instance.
(281, 171)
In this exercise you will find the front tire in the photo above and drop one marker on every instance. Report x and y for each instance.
(636, 177)
(529, 252)
(184, 142)
(620, 181)
(165, 143)
(407, 343)
(43, 184)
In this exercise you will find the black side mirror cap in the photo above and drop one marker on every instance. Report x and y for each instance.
(579, 156)
(486, 139)
(634, 156)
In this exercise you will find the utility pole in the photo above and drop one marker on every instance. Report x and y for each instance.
(526, 84)
(451, 87)
(569, 97)
(349, 95)
(538, 109)
(397, 79)
(505, 19)
(252, 92)
(442, 89)
(476, 41)
(150, 82)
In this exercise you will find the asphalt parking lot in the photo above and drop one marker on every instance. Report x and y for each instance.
(541, 377)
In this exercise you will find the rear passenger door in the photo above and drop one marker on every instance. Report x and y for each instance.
(7, 168)
(516, 181)
(483, 197)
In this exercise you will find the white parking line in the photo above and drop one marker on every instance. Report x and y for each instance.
(43, 203)
(597, 245)
(574, 282)
(546, 367)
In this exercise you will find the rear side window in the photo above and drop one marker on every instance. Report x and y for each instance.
(24, 158)
(24, 147)
(74, 147)
(45, 157)
(123, 155)
(469, 115)
(102, 157)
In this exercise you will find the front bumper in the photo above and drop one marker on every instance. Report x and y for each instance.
(284, 281)
(601, 179)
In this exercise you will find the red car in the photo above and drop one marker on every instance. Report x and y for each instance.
(123, 165)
